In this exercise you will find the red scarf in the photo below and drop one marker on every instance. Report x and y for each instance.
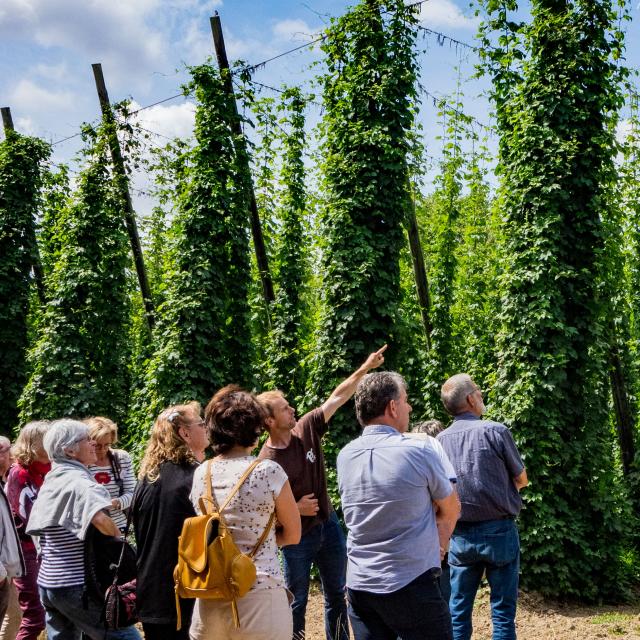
(37, 471)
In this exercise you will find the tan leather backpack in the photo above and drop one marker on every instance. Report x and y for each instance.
(210, 565)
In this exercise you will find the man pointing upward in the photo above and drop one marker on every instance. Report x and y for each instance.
(297, 448)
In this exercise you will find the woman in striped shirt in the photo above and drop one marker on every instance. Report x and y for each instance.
(68, 502)
(113, 468)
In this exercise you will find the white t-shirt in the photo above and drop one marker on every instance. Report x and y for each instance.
(437, 447)
(249, 511)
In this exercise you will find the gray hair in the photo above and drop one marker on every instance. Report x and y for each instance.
(454, 392)
(63, 436)
(430, 427)
(4, 441)
(374, 392)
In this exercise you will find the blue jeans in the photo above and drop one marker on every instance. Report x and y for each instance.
(492, 546)
(67, 617)
(415, 612)
(325, 546)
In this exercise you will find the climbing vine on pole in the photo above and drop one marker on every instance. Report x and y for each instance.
(79, 359)
(21, 169)
(292, 269)
(203, 337)
(556, 96)
(369, 91)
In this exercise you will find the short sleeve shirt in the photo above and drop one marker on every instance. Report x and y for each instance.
(437, 447)
(486, 460)
(387, 483)
(303, 462)
(249, 511)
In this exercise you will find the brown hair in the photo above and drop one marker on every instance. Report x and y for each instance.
(29, 440)
(234, 417)
(165, 442)
(99, 426)
(266, 399)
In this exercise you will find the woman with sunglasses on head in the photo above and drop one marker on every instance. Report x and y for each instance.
(161, 504)
(113, 468)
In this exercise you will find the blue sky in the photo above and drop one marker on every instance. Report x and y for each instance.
(47, 47)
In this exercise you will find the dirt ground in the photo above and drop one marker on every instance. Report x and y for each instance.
(536, 620)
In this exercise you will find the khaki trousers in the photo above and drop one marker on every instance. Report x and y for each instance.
(265, 614)
(13, 616)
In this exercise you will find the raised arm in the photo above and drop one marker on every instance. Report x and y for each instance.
(347, 387)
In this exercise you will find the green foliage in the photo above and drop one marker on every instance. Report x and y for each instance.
(554, 109)
(368, 91)
(21, 161)
(289, 309)
(202, 337)
(79, 360)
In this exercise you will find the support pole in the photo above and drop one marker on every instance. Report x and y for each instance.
(419, 269)
(36, 264)
(7, 120)
(256, 227)
(123, 183)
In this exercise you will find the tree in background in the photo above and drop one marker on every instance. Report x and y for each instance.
(556, 99)
(21, 160)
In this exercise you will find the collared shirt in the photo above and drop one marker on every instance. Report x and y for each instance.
(486, 461)
(387, 483)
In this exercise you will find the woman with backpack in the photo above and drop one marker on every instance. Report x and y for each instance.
(235, 420)
(69, 502)
(23, 484)
(161, 503)
(113, 468)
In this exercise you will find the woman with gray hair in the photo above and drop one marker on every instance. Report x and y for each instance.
(69, 501)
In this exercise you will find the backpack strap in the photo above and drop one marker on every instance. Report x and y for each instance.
(208, 493)
(264, 535)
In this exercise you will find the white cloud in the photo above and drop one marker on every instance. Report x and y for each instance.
(176, 120)
(445, 13)
(115, 32)
(27, 96)
(293, 30)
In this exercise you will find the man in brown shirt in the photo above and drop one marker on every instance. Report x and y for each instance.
(297, 448)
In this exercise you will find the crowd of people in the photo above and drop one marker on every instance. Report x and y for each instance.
(428, 513)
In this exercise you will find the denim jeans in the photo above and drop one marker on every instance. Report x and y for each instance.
(67, 617)
(415, 612)
(492, 546)
(325, 546)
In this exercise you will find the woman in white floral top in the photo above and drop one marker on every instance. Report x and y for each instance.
(235, 420)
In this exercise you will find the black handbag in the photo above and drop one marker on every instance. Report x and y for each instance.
(106, 558)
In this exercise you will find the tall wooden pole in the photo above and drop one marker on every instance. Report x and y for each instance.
(36, 264)
(419, 269)
(7, 120)
(123, 182)
(256, 227)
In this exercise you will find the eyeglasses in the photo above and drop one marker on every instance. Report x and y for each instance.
(100, 447)
(200, 423)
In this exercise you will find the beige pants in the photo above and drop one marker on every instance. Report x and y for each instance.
(13, 616)
(265, 614)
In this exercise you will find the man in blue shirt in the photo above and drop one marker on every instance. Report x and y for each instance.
(391, 487)
(490, 474)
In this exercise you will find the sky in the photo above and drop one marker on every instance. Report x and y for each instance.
(47, 48)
